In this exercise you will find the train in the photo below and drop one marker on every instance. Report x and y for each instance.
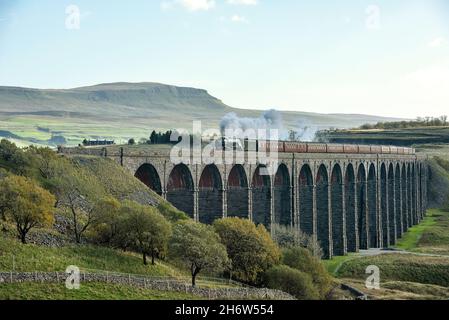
(309, 147)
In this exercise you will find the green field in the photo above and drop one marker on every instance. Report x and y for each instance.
(87, 291)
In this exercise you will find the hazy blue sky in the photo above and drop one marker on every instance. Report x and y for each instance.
(378, 57)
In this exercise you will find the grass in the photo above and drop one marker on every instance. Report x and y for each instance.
(431, 236)
(87, 291)
(411, 239)
(406, 137)
(402, 290)
(332, 265)
(30, 257)
(400, 267)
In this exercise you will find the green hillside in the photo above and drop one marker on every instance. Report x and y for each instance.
(121, 111)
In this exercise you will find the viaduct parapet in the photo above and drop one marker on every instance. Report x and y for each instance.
(347, 201)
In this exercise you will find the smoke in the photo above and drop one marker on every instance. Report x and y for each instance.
(305, 131)
(270, 119)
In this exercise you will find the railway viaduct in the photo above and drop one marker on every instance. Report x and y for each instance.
(347, 201)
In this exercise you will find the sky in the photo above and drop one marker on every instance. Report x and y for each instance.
(383, 57)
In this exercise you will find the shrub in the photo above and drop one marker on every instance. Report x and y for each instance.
(171, 213)
(301, 259)
(250, 248)
(295, 282)
(286, 237)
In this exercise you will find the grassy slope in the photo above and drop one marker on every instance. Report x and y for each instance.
(87, 291)
(14, 255)
(405, 137)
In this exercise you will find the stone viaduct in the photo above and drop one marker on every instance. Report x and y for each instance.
(347, 201)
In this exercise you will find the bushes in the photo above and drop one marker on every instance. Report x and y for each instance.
(287, 237)
(250, 248)
(171, 213)
(301, 259)
(295, 282)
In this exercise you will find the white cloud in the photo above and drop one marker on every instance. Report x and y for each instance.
(197, 5)
(190, 5)
(243, 2)
(437, 42)
(239, 19)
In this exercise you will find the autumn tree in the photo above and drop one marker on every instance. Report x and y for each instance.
(145, 229)
(198, 246)
(107, 224)
(250, 248)
(26, 204)
(77, 193)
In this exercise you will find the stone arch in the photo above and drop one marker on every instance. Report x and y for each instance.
(398, 205)
(338, 229)
(238, 193)
(350, 216)
(322, 209)
(413, 197)
(147, 174)
(282, 197)
(372, 207)
(210, 195)
(421, 190)
(361, 194)
(404, 199)
(305, 189)
(391, 205)
(261, 197)
(384, 219)
(409, 197)
(180, 189)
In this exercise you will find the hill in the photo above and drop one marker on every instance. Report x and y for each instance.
(128, 110)
(419, 137)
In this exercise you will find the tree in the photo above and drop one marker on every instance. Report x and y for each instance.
(250, 248)
(26, 204)
(146, 229)
(198, 246)
(304, 261)
(77, 193)
(14, 159)
(287, 237)
(131, 142)
(107, 225)
(153, 137)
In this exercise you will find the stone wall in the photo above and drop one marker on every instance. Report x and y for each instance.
(148, 283)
